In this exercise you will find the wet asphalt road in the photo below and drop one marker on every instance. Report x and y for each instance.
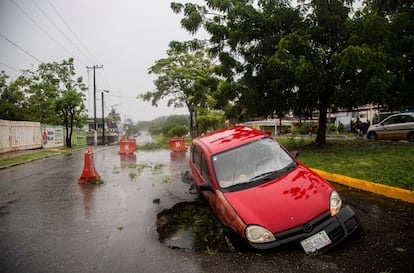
(49, 223)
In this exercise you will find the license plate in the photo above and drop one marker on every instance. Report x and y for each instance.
(315, 242)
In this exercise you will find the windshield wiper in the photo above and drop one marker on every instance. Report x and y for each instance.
(277, 173)
(263, 175)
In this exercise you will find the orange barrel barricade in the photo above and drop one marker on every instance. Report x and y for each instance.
(127, 146)
(89, 173)
(177, 144)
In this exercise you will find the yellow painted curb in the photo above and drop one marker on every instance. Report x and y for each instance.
(392, 192)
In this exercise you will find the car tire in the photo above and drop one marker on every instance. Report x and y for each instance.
(232, 241)
(372, 136)
(411, 137)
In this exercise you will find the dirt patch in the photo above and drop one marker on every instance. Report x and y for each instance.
(191, 226)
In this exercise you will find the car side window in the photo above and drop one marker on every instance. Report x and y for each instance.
(406, 119)
(200, 162)
(409, 119)
(389, 121)
(197, 157)
(403, 119)
(204, 169)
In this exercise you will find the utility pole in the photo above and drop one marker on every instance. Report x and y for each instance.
(103, 116)
(94, 97)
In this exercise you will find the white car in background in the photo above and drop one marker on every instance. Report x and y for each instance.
(395, 127)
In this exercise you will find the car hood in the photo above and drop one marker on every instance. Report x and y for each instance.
(286, 202)
(374, 126)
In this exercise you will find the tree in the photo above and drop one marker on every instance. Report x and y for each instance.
(185, 77)
(244, 35)
(277, 58)
(310, 55)
(377, 65)
(69, 106)
(114, 116)
(49, 94)
(12, 99)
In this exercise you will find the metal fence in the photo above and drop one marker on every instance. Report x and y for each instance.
(19, 135)
(25, 135)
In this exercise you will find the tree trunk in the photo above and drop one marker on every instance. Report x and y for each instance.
(68, 137)
(323, 111)
(193, 134)
(69, 129)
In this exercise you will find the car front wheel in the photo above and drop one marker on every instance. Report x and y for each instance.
(232, 241)
(372, 136)
(411, 137)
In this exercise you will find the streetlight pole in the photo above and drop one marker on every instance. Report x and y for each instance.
(103, 116)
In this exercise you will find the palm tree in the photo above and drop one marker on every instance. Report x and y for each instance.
(114, 116)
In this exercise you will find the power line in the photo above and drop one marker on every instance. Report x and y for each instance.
(104, 76)
(122, 97)
(41, 28)
(74, 35)
(57, 27)
(19, 47)
(9, 67)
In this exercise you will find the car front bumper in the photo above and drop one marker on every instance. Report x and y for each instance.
(338, 228)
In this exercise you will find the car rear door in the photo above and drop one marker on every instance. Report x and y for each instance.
(388, 129)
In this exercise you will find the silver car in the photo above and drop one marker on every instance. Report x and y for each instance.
(395, 127)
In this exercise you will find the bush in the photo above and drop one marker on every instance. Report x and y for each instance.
(341, 128)
(298, 130)
(178, 130)
(285, 130)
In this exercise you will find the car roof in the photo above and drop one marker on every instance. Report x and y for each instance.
(228, 138)
(405, 113)
(400, 114)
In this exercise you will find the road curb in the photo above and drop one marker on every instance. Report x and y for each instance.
(392, 192)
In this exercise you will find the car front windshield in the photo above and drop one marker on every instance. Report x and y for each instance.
(252, 162)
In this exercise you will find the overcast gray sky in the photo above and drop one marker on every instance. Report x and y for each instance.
(125, 36)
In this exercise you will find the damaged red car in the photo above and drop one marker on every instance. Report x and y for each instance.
(263, 195)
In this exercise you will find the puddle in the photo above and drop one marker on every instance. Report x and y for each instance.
(191, 226)
(182, 238)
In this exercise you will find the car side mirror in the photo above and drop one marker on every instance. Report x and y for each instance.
(295, 153)
(206, 187)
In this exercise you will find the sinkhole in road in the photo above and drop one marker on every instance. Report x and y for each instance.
(191, 226)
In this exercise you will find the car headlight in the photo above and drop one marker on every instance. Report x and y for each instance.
(335, 203)
(258, 234)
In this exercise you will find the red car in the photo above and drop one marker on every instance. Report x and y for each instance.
(263, 195)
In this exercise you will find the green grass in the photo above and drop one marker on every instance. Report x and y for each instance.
(389, 163)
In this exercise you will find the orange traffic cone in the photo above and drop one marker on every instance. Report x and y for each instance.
(89, 173)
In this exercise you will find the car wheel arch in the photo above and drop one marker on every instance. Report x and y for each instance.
(232, 240)
(410, 137)
(372, 135)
